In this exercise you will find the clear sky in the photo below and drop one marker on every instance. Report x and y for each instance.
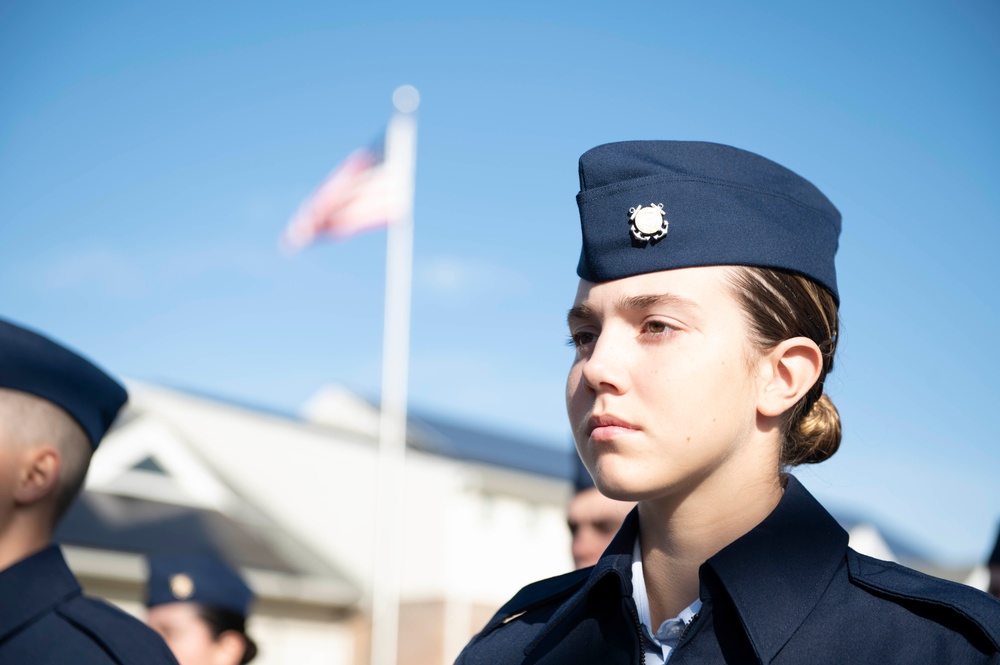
(151, 153)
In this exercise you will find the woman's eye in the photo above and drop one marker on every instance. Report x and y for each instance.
(581, 339)
(657, 327)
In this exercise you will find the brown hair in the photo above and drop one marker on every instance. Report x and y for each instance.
(780, 305)
(221, 621)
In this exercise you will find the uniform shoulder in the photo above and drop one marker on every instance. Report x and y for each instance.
(519, 620)
(126, 639)
(543, 592)
(899, 582)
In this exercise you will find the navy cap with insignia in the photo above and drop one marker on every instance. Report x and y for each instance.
(647, 206)
(32, 363)
(197, 578)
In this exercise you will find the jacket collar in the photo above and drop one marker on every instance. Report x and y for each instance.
(32, 587)
(776, 573)
(616, 561)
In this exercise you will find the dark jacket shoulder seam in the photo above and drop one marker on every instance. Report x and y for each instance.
(856, 560)
(511, 610)
(70, 616)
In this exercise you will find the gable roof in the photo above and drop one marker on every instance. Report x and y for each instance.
(336, 408)
(139, 526)
(448, 438)
(148, 492)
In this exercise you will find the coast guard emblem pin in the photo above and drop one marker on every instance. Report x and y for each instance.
(181, 586)
(648, 222)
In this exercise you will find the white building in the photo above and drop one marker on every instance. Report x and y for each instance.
(291, 501)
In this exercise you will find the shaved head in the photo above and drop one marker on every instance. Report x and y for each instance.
(27, 421)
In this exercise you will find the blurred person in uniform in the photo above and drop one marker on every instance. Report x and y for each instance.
(705, 323)
(55, 406)
(593, 518)
(200, 606)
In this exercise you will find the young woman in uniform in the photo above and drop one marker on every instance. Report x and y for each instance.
(705, 324)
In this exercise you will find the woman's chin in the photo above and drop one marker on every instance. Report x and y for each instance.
(623, 489)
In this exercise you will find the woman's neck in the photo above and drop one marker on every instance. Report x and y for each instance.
(679, 532)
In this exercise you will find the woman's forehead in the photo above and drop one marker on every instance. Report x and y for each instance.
(179, 611)
(695, 287)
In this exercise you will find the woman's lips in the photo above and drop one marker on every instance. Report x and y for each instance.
(607, 428)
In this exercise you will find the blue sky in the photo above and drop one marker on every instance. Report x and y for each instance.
(150, 156)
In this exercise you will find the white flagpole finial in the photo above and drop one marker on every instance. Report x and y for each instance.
(406, 99)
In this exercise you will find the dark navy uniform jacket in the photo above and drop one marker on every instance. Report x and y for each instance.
(789, 592)
(45, 620)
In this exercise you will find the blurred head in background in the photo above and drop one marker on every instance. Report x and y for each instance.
(55, 407)
(593, 518)
(199, 605)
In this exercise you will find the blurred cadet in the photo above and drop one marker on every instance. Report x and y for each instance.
(593, 518)
(705, 323)
(55, 407)
(200, 606)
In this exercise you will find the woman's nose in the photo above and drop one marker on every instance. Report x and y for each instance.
(604, 369)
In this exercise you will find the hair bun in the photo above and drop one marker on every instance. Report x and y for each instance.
(251, 650)
(817, 435)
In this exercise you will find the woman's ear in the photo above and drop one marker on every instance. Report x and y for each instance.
(38, 474)
(229, 648)
(790, 370)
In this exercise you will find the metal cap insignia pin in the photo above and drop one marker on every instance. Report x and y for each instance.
(181, 586)
(648, 223)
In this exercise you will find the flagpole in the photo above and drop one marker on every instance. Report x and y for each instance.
(400, 153)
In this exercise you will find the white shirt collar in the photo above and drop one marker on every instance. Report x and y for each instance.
(661, 642)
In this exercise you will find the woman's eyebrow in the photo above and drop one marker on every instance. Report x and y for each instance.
(585, 312)
(581, 312)
(640, 302)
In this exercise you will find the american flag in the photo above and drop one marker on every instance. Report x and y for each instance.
(364, 192)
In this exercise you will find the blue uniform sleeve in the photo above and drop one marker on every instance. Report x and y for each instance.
(126, 639)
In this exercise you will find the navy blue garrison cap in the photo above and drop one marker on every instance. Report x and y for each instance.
(197, 578)
(647, 206)
(34, 364)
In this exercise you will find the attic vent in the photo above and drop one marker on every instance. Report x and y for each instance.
(150, 465)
